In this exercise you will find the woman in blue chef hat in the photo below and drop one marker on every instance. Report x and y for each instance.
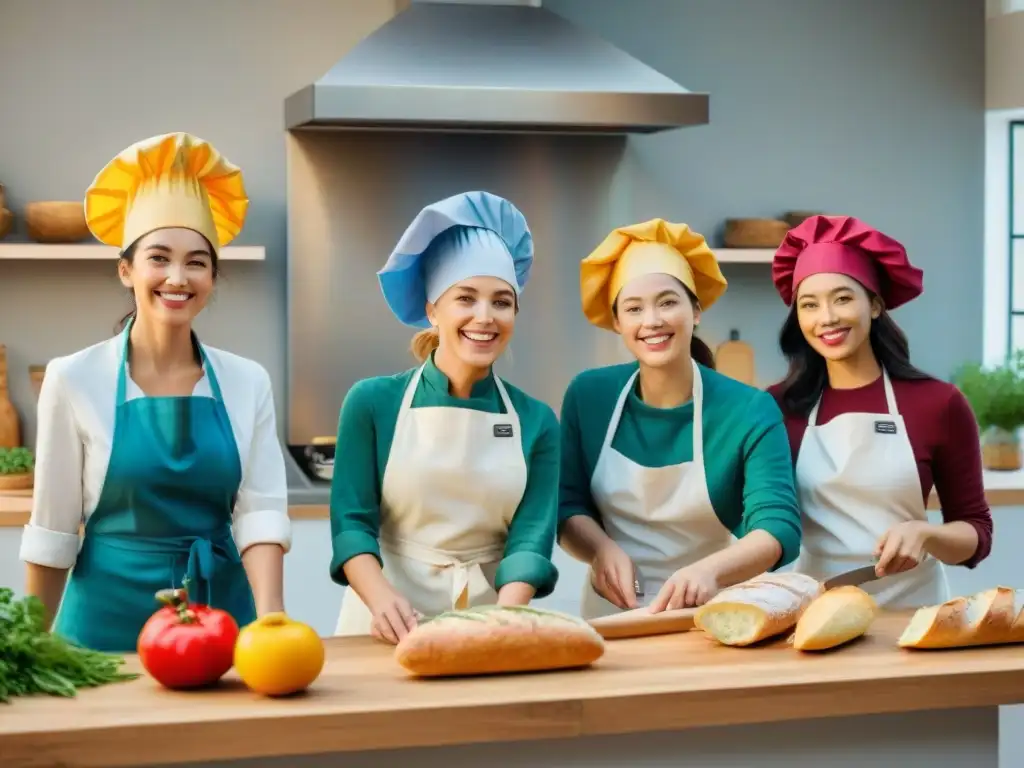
(445, 491)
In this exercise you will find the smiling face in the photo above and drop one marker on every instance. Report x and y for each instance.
(835, 314)
(475, 320)
(171, 272)
(655, 316)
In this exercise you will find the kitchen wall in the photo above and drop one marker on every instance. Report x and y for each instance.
(860, 106)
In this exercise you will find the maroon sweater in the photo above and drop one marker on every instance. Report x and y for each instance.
(944, 435)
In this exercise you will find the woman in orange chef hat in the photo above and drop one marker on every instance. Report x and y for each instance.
(165, 448)
(676, 480)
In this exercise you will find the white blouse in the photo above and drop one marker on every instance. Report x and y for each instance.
(75, 435)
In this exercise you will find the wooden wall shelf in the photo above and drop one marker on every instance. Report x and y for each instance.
(94, 252)
(744, 255)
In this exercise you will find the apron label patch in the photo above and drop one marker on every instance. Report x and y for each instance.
(503, 430)
(885, 427)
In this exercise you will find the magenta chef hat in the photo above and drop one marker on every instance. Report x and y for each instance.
(847, 246)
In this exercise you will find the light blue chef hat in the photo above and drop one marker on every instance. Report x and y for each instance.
(473, 234)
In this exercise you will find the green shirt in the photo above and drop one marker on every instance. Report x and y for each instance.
(747, 459)
(366, 428)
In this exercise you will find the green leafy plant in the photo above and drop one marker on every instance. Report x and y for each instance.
(16, 461)
(996, 395)
(33, 660)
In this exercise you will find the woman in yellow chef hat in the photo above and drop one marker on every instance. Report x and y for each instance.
(676, 480)
(164, 447)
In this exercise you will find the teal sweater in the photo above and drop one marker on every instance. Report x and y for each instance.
(747, 458)
(366, 428)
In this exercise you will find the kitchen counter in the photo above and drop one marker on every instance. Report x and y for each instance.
(869, 701)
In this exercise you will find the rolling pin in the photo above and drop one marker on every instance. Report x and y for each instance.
(10, 427)
(640, 622)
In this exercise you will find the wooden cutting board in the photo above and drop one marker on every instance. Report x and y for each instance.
(735, 359)
(640, 622)
(10, 427)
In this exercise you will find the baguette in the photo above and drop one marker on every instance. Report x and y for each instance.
(757, 609)
(992, 617)
(488, 640)
(836, 617)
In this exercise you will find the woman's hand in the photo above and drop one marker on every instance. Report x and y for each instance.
(686, 588)
(613, 575)
(393, 616)
(903, 547)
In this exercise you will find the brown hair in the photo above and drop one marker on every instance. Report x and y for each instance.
(699, 351)
(423, 343)
(128, 255)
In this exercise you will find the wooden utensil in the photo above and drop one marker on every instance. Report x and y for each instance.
(640, 622)
(735, 359)
(10, 427)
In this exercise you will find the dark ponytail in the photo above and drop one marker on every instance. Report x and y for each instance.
(128, 255)
(808, 374)
(702, 353)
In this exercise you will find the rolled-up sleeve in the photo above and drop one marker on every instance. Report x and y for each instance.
(261, 508)
(355, 489)
(51, 537)
(769, 490)
(531, 534)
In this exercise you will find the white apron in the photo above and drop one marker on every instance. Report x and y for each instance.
(453, 481)
(856, 478)
(661, 516)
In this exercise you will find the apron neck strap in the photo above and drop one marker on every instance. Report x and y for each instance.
(890, 401)
(122, 373)
(698, 411)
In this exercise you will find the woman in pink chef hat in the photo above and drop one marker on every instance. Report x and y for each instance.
(870, 433)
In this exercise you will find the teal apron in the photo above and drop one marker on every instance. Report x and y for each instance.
(163, 517)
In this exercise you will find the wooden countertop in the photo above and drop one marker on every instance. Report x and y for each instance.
(1003, 489)
(364, 701)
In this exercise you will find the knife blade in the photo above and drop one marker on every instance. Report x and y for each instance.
(853, 578)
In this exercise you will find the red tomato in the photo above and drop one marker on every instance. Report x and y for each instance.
(187, 645)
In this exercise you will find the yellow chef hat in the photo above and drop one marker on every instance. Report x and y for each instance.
(173, 180)
(655, 246)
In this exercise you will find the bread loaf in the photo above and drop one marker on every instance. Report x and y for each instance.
(492, 639)
(757, 609)
(836, 617)
(991, 617)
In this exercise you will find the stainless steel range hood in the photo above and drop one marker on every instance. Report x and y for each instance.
(502, 66)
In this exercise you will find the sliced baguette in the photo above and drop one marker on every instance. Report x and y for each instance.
(487, 640)
(757, 609)
(992, 617)
(836, 617)
(937, 626)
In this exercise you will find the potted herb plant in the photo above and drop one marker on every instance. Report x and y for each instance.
(996, 396)
(17, 466)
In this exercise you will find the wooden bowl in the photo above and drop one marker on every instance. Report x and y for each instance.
(52, 221)
(6, 222)
(20, 482)
(754, 233)
(35, 375)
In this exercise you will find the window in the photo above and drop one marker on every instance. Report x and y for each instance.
(1015, 241)
(1003, 275)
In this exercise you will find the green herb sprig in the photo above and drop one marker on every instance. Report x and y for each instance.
(16, 461)
(33, 660)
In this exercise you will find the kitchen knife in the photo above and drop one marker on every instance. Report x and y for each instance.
(853, 578)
